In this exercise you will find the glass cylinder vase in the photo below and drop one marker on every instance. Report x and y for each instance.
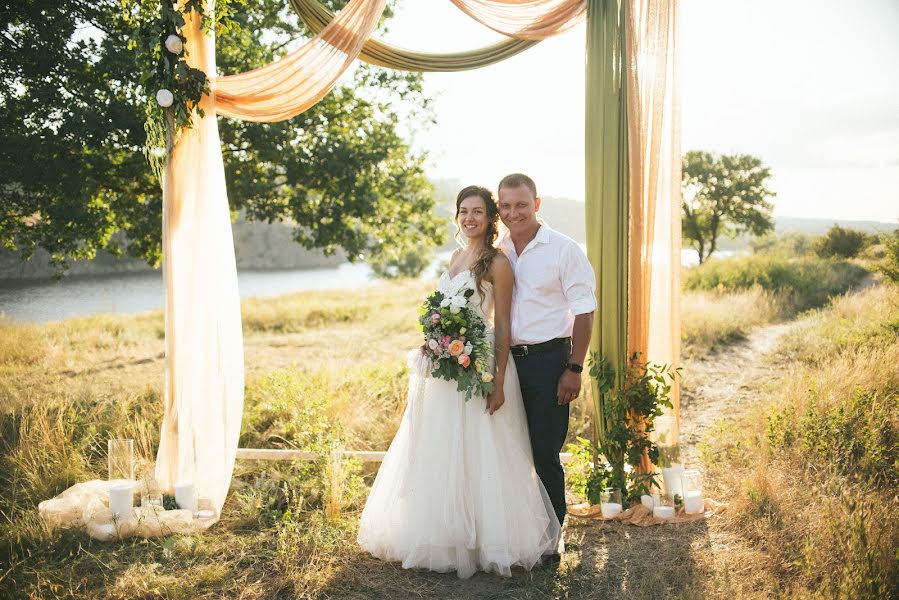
(120, 454)
(610, 503)
(150, 493)
(694, 502)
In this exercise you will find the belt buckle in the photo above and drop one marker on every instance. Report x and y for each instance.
(525, 350)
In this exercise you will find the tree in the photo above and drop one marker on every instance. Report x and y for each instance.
(839, 241)
(724, 195)
(890, 265)
(71, 102)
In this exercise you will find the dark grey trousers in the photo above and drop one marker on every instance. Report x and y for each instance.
(547, 421)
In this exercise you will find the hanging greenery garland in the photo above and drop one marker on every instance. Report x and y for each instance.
(171, 87)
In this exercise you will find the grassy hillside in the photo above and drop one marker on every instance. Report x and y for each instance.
(326, 368)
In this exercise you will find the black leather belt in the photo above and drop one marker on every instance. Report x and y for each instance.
(526, 349)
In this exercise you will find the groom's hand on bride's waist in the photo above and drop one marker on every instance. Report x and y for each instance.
(569, 386)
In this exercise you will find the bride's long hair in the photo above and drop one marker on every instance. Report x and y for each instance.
(481, 265)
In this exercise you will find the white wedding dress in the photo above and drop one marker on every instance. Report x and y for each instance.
(457, 490)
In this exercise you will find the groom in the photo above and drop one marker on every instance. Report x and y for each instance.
(552, 318)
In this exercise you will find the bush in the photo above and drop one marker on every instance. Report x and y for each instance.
(790, 244)
(808, 282)
(410, 264)
(839, 241)
(890, 266)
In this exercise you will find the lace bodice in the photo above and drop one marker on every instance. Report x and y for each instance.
(465, 279)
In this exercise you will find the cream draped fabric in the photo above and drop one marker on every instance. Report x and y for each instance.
(317, 16)
(654, 168)
(526, 19)
(204, 374)
(289, 86)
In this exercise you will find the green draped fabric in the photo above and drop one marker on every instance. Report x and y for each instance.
(316, 17)
(605, 146)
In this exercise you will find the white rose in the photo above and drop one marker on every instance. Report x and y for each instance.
(174, 44)
(458, 301)
(468, 349)
(445, 302)
(164, 98)
(432, 344)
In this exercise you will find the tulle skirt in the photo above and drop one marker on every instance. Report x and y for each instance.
(457, 490)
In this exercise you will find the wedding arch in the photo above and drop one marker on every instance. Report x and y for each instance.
(632, 158)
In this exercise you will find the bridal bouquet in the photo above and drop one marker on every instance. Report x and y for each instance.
(456, 343)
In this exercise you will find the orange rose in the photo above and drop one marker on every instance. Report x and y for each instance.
(464, 360)
(456, 348)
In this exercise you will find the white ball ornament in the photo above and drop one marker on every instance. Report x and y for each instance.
(165, 98)
(174, 44)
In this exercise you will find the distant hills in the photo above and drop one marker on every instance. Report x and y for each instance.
(567, 215)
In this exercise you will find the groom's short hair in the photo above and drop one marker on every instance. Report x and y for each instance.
(517, 180)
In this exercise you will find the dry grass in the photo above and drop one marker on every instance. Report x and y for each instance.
(710, 319)
(330, 366)
(813, 471)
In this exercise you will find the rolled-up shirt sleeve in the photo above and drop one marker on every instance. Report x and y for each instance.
(578, 280)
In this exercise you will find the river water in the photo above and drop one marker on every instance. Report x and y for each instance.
(41, 301)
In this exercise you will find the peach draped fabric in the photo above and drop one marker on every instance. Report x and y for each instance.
(289, 86)
(526, 19)
(654, 170)
(204, 372)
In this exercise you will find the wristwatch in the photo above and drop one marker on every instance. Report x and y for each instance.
(574, 367)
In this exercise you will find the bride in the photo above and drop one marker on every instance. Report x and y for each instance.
(457, 490)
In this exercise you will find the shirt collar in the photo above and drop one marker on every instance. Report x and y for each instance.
(542, 236)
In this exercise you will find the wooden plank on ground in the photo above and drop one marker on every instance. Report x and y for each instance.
(283, 454)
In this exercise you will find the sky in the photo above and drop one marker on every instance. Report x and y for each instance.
(812, 88)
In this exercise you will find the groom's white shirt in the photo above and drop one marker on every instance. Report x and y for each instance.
(553, 282)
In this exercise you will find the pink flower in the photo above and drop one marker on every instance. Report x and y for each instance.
(445, 341)
(464, 360)
(435, 318)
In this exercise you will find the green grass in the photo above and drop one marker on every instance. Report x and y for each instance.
(725, 298)
(802, 283)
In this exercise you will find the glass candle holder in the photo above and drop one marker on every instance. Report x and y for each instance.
(664, 508)
(664, 435)
(150, 493)
(205, 509)
(694, 502)
(120, 454)
(610, 503)
(672, 481)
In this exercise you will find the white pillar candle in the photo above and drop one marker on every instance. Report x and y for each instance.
(121, 500)
(186, 496)
(663, 512)
(610, 510)
(647, 502)
(672, 478)
(694, 503)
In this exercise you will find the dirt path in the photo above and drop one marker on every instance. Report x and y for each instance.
(725, 384)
